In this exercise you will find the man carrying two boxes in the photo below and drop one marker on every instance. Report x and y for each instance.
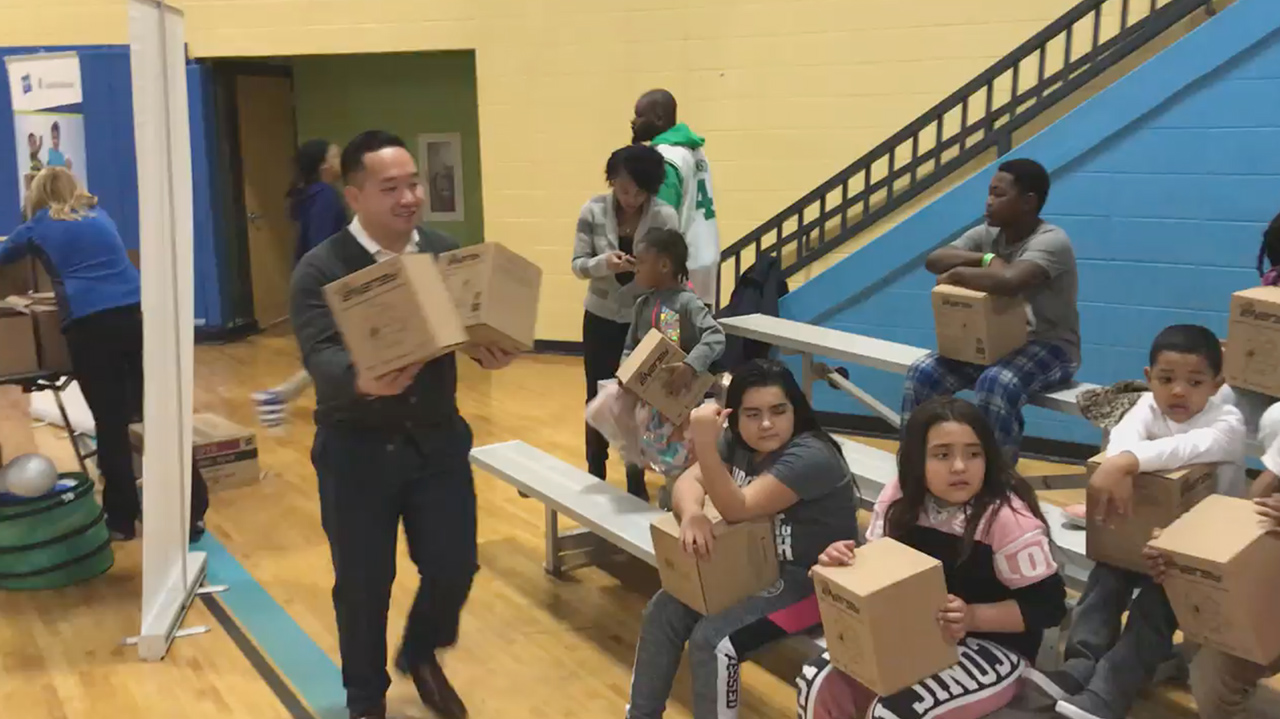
(377, 328)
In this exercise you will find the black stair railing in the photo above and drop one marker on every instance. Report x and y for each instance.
(957, 130)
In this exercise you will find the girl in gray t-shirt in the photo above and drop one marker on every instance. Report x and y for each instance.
(772, 461)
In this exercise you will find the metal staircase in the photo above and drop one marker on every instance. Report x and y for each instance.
(982, 115)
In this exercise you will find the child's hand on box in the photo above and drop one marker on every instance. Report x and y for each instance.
(679, 377)
(839, 554)
(1269, 509)
(1112, 486)
(1154, 560)
(696, 535)
(954, 619)
(706, 421)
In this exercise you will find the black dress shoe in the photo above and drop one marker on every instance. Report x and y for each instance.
(434, 688)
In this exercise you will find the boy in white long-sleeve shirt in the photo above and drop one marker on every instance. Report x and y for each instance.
(1182, 421)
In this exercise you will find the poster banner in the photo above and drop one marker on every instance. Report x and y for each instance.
(47, 121)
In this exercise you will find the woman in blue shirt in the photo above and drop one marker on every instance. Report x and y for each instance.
(317, 208)
(99, 296)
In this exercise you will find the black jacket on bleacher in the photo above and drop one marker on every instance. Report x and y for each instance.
(428, 403)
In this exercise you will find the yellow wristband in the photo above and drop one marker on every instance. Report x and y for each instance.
(987, 258)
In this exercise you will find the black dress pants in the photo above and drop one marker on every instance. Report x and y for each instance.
(370, 482)
(602, 342)
(106, 358)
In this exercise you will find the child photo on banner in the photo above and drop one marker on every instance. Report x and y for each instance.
(47, 121)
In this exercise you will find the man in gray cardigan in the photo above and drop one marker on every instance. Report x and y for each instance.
(387, 448)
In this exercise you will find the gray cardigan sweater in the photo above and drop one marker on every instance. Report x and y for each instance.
(597, 236)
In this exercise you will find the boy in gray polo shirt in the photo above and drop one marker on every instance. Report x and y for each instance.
(1014, 253)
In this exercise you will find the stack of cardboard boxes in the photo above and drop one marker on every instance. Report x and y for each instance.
(31, 341)
(414, 308)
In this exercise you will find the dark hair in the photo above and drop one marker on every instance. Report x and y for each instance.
(671, 245)
(1270, 249)
(1028, 176)
(1188, 340)
(363, 144)
(1000, 484)
(772, 373)
(307, 163)
(643, 164)
(55, 127)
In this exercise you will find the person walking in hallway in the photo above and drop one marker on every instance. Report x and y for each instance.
(388, 449)
(686, 185)
(317, 208)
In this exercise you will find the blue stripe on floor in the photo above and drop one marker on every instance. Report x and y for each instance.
(314, 676)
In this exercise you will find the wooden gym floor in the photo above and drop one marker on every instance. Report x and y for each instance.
(531, 646)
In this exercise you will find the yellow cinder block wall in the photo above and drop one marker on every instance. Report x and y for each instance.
(786, 92)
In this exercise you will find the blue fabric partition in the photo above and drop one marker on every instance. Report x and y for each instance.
(113, 177)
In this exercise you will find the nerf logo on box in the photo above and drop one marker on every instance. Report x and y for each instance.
(839, 600)
(1249, 312)
(1191, 571)
(654, 365)
(462, 259)
(348, 292)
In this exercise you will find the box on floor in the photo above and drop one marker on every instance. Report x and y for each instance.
(225, 452)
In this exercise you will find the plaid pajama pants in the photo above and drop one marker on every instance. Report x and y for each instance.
(1002, 388)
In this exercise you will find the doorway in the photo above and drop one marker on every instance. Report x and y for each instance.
(257, 111)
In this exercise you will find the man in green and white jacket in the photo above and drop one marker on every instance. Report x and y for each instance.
(687, 186)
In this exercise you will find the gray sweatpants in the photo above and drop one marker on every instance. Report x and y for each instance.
(717, 644)
(1116, 665)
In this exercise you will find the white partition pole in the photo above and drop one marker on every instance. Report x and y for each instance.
(170, 573)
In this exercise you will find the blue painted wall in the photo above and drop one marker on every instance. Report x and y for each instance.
(1164, 182)
(109, 146)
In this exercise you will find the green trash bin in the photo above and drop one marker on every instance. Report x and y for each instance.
(55, 540)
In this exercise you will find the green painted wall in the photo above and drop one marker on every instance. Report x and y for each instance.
(338, 96)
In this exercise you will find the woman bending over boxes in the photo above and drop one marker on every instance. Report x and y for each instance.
(1017, 255)
(958, 501)
(774, 463)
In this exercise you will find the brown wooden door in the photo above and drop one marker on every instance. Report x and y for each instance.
(267, 145)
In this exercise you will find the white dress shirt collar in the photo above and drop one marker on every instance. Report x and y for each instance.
(378, 251)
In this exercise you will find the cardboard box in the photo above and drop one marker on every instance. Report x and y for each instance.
(496, 292)
(1223, 578)
(743, 561)
(17, 343)
(23, 277)
(640, 374)
(225, 452)
(1252, 359)
(395, 313)
(52, 354)
(880, 616)
(977, 327)
(1158, 499)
